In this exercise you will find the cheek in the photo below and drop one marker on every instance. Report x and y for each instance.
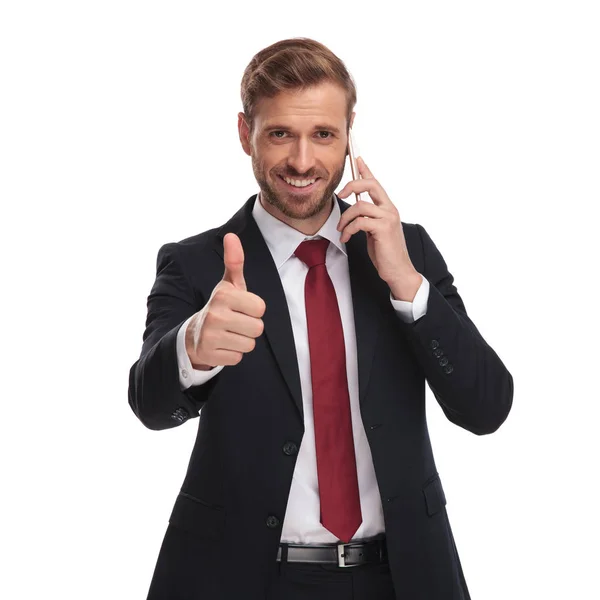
(274, 162)
(335, 162)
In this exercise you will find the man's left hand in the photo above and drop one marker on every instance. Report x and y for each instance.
(381, 222)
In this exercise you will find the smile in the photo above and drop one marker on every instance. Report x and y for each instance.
(304, 185)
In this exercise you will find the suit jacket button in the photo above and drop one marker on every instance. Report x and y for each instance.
(443, 361)
(448, 369)
(272, 521)
(434, 344)
(290, 448)
(180, 414)
(438, 352)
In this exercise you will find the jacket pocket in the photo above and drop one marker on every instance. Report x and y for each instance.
(433, 492)
(197, 516)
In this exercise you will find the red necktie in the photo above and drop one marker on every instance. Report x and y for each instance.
(336, 461)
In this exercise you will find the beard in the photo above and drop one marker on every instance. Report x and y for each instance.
(310, 205)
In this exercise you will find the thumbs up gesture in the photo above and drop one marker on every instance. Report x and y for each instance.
(234, 261)
(230, 321)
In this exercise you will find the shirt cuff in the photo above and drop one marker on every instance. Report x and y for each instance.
(188, 376)
(411, 311)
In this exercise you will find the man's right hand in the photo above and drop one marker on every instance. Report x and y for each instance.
(230, 321)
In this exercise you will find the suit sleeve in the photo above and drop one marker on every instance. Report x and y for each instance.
(466, 376)
(155, 392)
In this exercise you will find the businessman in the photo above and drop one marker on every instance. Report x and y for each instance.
(302, 332)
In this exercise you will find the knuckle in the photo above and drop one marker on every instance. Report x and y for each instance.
(220, 296)
(214, 320)
(261, 306)
(234, 358)
(210, 317)
(208, 337)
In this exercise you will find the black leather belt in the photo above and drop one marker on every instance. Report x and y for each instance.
(354, 553)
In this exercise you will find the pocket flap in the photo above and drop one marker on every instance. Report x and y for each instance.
(193, 514)
(435, 499)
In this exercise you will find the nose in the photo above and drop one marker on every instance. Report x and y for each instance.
(301, 158)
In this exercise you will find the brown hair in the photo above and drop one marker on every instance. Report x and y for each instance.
(295, 63)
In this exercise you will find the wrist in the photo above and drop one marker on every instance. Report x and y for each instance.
(405, 288)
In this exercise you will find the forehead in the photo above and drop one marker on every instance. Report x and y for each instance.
(325, 101)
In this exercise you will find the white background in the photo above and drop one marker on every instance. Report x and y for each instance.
(118, 133)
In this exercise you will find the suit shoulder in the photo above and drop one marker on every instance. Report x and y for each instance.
(192, 250)
(200, 239)
(192, 245)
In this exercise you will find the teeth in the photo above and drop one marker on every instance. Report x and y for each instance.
(298, 182)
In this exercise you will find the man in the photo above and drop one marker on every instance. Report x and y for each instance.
(304, 329)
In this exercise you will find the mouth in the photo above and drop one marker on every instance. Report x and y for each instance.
(306, 189)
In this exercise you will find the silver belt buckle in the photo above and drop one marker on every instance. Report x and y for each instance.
(342, 556)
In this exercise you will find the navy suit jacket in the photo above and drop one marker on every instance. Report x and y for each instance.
(223, 533)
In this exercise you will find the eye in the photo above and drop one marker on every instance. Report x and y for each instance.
(329, 134)
(272, 134)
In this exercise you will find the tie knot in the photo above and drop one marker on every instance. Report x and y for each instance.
(312, 252)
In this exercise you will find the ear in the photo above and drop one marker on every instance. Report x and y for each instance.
(244, 133)
(352, 118)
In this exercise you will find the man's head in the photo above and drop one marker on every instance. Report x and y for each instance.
(298, 100)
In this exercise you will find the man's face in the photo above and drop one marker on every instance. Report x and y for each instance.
(299, 135)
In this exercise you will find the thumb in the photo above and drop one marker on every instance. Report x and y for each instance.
(233, 255)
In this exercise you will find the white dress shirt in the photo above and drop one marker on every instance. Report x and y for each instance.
(301, 523)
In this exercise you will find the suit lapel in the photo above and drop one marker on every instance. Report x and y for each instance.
(262, 279)
(370, 298)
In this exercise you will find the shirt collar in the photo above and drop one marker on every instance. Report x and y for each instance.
(283, 240)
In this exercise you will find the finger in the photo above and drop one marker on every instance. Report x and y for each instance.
(227, 357)
(371, 186)
(360, 208)
(233, 257)
(359, 224)
(243, 324)
(234, 342)
(227, 325)
(246, 303)
(357, 186)
(362, 168)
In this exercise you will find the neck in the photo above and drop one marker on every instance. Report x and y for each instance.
(308, 226)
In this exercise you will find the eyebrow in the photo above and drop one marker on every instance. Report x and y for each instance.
(316, 128)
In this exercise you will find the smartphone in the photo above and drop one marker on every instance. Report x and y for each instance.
(353, 165)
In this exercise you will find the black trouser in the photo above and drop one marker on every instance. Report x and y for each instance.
(307, 581)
